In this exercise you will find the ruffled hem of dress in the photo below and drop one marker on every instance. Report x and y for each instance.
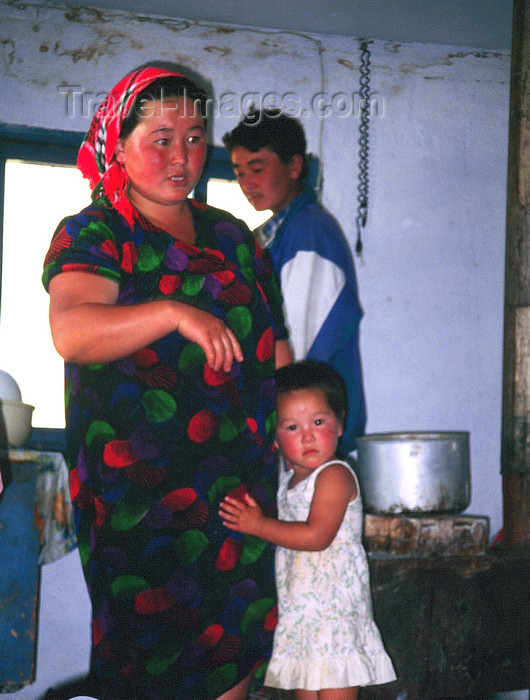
(337, 672)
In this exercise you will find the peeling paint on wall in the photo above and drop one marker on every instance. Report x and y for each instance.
(8, 51)
(219, 50)
(348, 64)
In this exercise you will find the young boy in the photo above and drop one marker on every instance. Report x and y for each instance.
(308, 250)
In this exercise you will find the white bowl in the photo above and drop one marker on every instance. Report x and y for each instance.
(15, 423)
(9, 389)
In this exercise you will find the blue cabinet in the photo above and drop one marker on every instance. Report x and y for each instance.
(19, 575)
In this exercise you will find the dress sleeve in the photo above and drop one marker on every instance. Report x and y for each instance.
(84, 243)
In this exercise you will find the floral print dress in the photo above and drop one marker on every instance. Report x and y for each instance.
(181, 606)
(326, 635)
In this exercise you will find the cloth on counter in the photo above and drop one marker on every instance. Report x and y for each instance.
(36, 527)
(54, 519)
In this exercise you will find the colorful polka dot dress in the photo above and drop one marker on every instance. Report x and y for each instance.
(182, 607)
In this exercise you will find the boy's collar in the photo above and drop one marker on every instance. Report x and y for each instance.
(268, 230)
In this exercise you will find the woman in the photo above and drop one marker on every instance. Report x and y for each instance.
(168, 318)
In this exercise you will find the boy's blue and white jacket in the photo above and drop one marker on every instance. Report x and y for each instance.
(319, 288)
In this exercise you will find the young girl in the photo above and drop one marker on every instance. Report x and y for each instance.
(326, 643)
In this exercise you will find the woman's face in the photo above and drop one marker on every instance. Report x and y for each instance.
(165, 153)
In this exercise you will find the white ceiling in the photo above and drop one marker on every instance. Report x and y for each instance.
(485, 24)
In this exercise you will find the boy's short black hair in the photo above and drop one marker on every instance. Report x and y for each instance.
(272, 129)
(313, 374)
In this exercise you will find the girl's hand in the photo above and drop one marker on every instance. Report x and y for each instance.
(242, 517)
(335, 487)
(218, 341)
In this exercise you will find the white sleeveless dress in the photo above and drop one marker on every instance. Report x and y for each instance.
(326, 635)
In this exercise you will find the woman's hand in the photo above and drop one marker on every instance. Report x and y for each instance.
(241, 516)
(218, 341)
(89, 327)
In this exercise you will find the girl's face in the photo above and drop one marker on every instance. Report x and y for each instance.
(307, 431)
(165, 153)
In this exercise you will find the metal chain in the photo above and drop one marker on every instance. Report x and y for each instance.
(362, 188)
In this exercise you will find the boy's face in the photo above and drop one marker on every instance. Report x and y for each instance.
(265, 181)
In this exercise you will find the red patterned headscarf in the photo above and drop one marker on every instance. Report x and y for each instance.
(96, 160)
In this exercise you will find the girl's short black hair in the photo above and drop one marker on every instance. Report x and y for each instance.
(159, 89)
(313, 374)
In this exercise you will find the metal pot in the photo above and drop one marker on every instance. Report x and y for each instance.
(423, 472)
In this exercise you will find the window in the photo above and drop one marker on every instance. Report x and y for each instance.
(36, 198)
(39, 185)
(226, 194)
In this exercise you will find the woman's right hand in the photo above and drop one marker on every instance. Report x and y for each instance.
(89, 327)
(218, 341)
